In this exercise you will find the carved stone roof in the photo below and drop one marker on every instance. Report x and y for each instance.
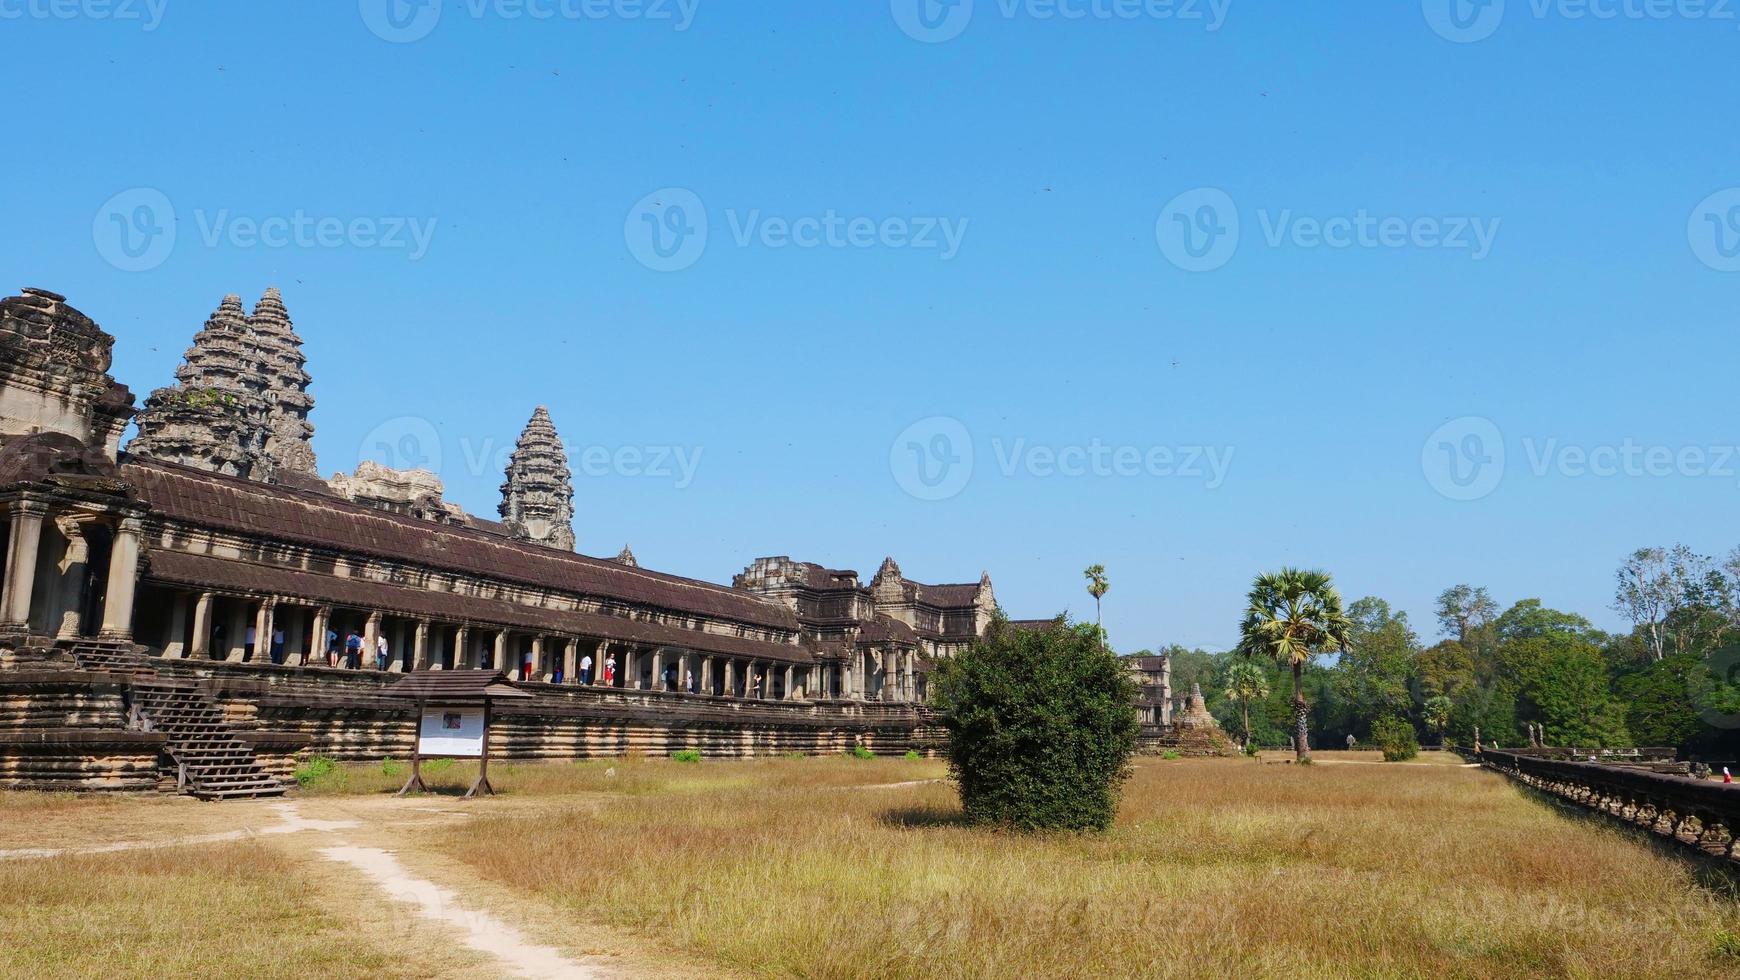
(323, 521)
(54, 364)
(626, 557)
(537, 499)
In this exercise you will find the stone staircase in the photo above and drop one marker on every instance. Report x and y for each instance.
(212, 762)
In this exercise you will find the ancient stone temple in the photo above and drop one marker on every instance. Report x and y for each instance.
(173, 616)
(537, 500)
(240, 404)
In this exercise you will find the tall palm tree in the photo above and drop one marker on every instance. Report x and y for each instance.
(1246, 682)
(1292, 616)
(1097, 587)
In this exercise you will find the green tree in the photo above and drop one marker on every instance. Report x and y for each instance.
(1372, 676)
(1446, 669)
(1097, 587)
(1436, 714)
(1041, 726)
(1465, 612)
(1569, 689)
(1246, 682)
(1292, 616)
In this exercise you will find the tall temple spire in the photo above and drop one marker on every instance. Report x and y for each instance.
(240, 403)
(537, 500)
(286, 381)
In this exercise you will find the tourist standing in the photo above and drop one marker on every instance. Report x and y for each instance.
(332, 648)
(586, 669)
(610, 670)
(382, 652)
(278, 646)
(689, 682)
(353, 645)
(248, 643)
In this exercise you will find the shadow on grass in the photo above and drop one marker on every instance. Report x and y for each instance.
(919, 817)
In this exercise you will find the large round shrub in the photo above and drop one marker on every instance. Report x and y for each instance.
(1041, 724)
(1396, 738)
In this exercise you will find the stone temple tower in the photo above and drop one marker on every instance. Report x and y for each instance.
(240, 404)
(537, 501)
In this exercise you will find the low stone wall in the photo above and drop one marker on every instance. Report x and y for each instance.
(80, 760)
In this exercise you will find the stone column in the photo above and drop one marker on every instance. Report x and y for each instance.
(658, 668)
(295, 643)
(176, 647)
(501, 653)
(317, 635)
(263, 619)
(123, 580)
(202, 626)
(371, 639)
(70, 594)
(420, 652)
(730, 689)
(27, 518)
(462, 648)
(571, 661)
(788, 679)
(237, 632)
(706, 675)
(847, 688)
(906, 673)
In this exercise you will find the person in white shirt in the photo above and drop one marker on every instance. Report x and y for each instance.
(381, 653)
(586, 669)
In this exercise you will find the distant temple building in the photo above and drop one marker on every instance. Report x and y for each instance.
(209, 573)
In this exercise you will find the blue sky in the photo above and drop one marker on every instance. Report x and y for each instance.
(1061, 153)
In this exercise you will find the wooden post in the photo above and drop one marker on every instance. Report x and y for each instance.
(417, 753)
(483, 764)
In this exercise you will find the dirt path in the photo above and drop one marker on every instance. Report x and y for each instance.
(374, 861)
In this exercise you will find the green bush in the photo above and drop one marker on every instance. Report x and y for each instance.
(687, 755)
(1171, 755)
(1396, 738)
(1251, 749)
(860, 752)
(912, 755)
(437, 766)
(391, 768)
(315, 770)
(1041, 725)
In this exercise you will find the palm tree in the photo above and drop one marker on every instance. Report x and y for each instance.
(1097, 587)
(1293, 616)
(1246, 682)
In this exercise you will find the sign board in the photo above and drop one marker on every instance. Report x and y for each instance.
(451, 732)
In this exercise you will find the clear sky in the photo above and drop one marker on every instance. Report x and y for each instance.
(1025, 233)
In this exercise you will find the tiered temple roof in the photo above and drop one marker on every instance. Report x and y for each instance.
(537, 499)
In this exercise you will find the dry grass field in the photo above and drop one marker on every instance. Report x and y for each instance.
(1216, 867)
(840, 868)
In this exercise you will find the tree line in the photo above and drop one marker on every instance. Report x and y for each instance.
(1671, 680)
